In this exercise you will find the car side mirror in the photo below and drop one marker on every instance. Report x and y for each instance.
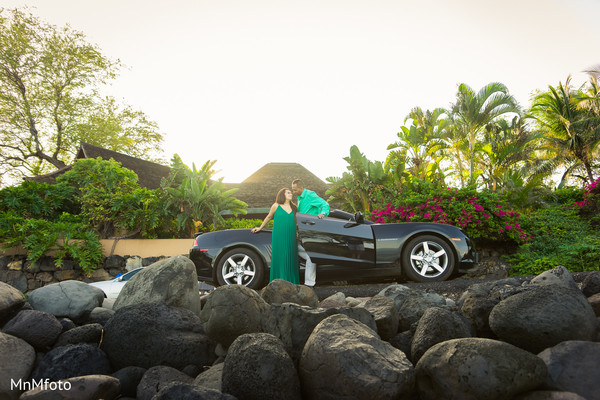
(359, 217)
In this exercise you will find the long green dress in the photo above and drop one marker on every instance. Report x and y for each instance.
(284, 248)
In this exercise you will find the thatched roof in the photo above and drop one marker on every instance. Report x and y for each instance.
(149, 173)
(260, 188)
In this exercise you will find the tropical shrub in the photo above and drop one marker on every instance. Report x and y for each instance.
(559, 237)
(233, 223)
(68, 237)
(39, 200)
(481, 215)
(589, 207)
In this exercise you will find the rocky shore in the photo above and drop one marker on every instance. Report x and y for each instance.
(505, 339)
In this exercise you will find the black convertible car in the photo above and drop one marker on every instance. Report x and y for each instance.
(345, 247)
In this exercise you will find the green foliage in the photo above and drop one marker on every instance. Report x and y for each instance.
(559, 237)
(234, 223)
(100, 184)
(356, 188)
(68, 237)
(196, 199)
(39, 200)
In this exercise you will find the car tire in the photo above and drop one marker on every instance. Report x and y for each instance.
(427, 259)
(241, 266)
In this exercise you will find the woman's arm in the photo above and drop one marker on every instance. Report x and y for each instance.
(267, 218)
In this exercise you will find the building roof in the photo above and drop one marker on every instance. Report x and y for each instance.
(260, 188)
(149, 173)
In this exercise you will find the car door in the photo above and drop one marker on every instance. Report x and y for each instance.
(336, 242)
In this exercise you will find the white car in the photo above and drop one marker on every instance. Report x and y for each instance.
(112, 288)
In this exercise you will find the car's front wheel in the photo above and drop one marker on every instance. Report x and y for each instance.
(241, 266)
(427, 258)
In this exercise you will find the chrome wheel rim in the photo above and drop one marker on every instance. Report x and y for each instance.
(429, 259)
(238, 269)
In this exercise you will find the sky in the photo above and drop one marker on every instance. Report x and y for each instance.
(246, 83)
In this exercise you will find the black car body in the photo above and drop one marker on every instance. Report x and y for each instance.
(344, 246)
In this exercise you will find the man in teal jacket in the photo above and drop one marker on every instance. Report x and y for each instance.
(309, 203)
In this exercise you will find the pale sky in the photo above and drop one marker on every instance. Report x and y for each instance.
(251, 82)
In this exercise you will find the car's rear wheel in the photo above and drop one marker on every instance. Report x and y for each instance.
(241, 266)
(427, 258)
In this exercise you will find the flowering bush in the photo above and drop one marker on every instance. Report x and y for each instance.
(590, 206)
(480, 215)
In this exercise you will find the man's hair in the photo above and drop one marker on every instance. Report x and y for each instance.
(298, 182)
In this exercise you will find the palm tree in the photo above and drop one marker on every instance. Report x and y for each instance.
(473, 111)
(419, 149)
(571, 127)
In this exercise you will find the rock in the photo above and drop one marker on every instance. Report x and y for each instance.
(258, 367)
(129, 379)
(402, 342)
(338, 297)
(158, 377)
(89, 333)
(477, 368)
(89, 387)
(70, 361)
(16, 279)
(65, 275)
(16, 362)
(37, 328)
(400, 293)
(132, 263)
(412, 310)
(594, 301)
(556, 276)
(331, 303)
(333, 363)
(280, 291)
(114, 262)
(435, 326)
(146, 335)
(353, 302)
(184, 391)
(386, 315)
(211, 378)
(549, 395)
(172, 281)
(67, 324)
(293, 324)
(72, 299)
(11, 300)
(573, 367)
(543, 317)
(591, 284)
(101, 314)
(231, 311)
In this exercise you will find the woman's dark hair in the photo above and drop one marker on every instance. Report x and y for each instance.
(280, 199)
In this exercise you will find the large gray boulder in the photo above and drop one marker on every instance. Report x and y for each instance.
(386, 315)
(591, 284)
(257, 367)
(344, 359)
(543, 317)
(16, 362)
(39, 329)
(556, 276)
(88, 333)
(71, 299)
(185, 391)
(146, 335)
(155, 378)
(280, 291)
(11, 300)
(400, 293)
(293, 324)
(573, 366)
(231, 311)
(172, 281)
(87, 387)
(70, 361)
(477, 368)
(435, 326)
(211, 378)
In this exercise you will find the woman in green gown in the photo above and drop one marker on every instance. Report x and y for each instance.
(284, 247)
